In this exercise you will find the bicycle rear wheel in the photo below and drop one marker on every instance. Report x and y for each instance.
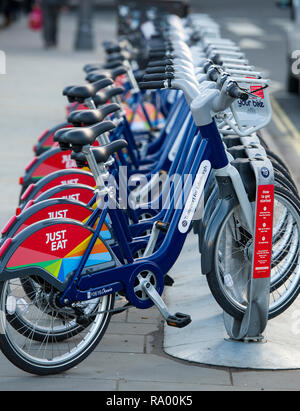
(37, 296)
(47, 355)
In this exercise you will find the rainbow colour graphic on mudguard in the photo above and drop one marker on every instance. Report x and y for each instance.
(58, 249)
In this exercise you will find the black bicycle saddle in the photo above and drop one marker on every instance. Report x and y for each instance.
(90, 117)
(80, 93)
(79, 137)
(103, 96)
(101, 154)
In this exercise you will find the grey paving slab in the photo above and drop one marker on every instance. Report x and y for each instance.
(119, 317)
(143, 316)
(164, 386)
(148, 367)
(30, 383)
(150, 344)
(8, 370)
(122, 343)
(285, 380)
(118, 327)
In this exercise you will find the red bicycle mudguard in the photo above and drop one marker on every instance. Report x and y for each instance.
(58, 178)
(76, 192)
(50, 161)
(52, 250)
(51, 209)
(45, 141)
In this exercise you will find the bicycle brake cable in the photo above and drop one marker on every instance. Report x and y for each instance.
(255, 91)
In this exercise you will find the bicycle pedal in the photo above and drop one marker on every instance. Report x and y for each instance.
(179, 320)
(168, 281)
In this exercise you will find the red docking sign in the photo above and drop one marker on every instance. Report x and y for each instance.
(263, 231)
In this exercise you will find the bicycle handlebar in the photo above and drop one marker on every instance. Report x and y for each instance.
(160, 54)
(165, 62)
(234, 90)
(113, 64)
(150, 85)
(159, 69)
(158, 76)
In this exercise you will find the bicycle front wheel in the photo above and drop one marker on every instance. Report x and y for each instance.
(48, 355)
(230, 276)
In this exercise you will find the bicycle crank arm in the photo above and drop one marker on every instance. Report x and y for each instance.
(178, 320)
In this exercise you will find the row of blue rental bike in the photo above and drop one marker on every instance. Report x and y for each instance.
(109, 227)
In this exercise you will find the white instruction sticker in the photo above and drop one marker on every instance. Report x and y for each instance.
(194, 197)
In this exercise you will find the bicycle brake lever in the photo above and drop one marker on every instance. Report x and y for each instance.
(255, 91)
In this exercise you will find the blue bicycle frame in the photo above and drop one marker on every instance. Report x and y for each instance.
(179, 166)
(208, 147)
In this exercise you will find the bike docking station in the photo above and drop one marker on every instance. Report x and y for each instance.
(254, 321)
(214, 337)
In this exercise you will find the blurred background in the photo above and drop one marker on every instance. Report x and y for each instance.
(262, 28)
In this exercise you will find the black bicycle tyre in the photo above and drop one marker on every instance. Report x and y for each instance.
(29, 365)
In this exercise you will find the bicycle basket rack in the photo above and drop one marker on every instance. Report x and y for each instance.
(246, 117)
